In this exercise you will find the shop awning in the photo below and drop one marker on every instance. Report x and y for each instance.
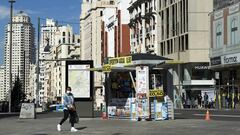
(147, 59)
(128, 63)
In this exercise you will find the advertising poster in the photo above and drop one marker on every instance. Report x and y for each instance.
(142, 90)
(142, 79)
(158, 113)
(79, 80)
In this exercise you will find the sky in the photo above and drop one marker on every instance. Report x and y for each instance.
(65, 11)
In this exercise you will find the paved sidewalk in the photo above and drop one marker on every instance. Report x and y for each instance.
(96, 126)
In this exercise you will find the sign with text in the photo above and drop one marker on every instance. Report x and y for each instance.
(106, 68)
(120, 60)
(231, 59)
(156, 93)
(27, 111)
(215, 61)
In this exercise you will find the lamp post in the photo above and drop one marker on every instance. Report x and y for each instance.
(38, 68)
(10, 54)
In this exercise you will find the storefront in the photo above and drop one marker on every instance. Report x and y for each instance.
(130, 85)
(198, 81)
(227, 75)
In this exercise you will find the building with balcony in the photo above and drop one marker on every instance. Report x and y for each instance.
(225, 51)
(143, 24)
(58, 43)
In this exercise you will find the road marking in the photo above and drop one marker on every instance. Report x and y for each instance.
(234, 116)
(178, 113)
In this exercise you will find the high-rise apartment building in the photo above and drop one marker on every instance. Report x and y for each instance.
(23, 50)
(2, 90)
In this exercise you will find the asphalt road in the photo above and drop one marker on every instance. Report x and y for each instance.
(220, 115)
(46, 125)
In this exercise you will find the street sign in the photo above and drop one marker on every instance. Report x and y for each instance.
(106, 68)
(156, 93)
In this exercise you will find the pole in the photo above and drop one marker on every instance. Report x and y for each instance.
(178, 65)
(10, 55)
(38, 69)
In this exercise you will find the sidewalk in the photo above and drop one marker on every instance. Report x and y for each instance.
(96, 126)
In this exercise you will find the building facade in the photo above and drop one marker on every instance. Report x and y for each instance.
(32, 83)
(115, 37)
(91, 36)
(48, 33)
(2, 90)
(58, 43)
(23, 50)
(225, 54)
(173, 29)
(143, 23)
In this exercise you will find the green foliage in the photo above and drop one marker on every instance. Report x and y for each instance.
(17, 95)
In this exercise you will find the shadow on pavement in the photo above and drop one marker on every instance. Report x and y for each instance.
(117, 133)
(81, 128)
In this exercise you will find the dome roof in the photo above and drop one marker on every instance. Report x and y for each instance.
(21, 13)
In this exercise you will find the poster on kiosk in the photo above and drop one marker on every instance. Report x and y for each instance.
(142, 89)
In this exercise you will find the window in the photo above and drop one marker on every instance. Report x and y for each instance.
(63, 33)
(218, 35)
(234, 29)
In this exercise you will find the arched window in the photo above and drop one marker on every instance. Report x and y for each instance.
(234, 29)
(218, 35)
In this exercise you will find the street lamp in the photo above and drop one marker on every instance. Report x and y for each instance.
(10, 54)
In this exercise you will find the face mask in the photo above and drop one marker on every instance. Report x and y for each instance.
(68, 92)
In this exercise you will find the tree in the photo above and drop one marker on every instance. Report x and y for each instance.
(17, 95)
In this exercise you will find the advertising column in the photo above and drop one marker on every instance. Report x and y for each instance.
(142, 91)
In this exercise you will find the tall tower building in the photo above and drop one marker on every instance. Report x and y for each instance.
(23, 50)
(2, 90)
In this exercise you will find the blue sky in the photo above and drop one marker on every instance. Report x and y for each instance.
(60, 10)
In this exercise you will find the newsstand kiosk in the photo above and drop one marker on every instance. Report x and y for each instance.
(137, 95)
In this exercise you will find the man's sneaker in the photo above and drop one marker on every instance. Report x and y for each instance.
(59, 127)
(73, 129)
